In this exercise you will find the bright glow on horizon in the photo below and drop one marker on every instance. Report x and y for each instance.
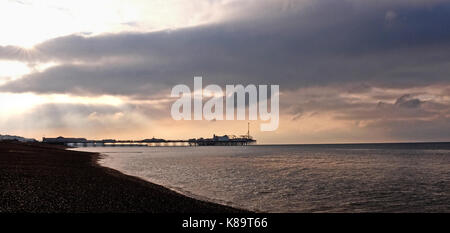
(20, 103)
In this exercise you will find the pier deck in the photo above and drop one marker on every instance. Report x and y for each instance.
(216, 141)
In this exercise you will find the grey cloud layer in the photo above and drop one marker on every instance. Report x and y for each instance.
(325, 42)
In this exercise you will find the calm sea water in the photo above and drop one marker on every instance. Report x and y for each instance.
(298, 178)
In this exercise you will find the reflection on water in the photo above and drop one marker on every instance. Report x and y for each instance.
(364, 178)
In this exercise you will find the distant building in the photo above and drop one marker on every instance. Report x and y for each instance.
(63, 140)
(154, 140)
(16, 138)
(224, 138)
(108, 140)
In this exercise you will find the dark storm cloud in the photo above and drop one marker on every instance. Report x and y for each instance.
(406, 101)
(89, 80)
(322, 43)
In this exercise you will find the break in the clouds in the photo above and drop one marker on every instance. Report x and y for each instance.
(379, 62)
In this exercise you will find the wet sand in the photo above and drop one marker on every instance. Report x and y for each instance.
(41, 178)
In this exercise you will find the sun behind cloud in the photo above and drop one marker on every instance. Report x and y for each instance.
(26, 23)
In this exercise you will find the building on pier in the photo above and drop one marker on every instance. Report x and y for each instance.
(63, 141)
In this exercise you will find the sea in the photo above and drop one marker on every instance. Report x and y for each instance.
(403, 177)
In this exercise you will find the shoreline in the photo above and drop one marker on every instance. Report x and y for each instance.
(42, 178)
(174, 189)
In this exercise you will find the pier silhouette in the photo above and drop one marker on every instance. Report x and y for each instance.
(214, 141)
(225, 140)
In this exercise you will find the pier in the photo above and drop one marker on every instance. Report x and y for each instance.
(215, 141)
(225, 140)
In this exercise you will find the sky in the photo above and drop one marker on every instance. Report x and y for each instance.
(348, 70)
